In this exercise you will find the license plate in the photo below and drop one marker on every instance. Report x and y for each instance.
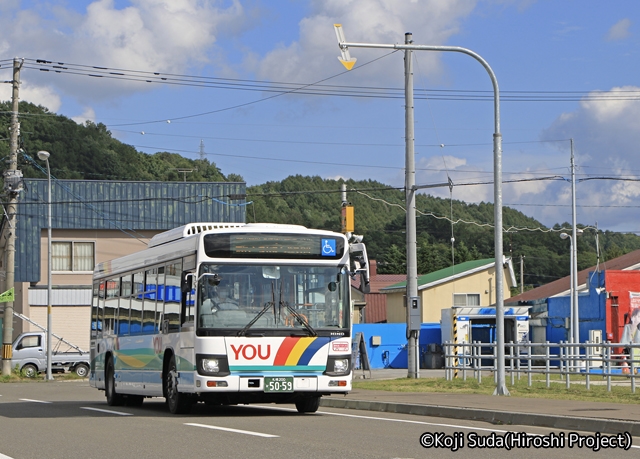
(278, 384)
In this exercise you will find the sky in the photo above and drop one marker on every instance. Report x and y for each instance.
(256, 87)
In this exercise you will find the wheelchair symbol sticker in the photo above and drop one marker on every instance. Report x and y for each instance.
(328, 247)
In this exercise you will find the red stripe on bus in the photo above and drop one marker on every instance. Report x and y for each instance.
(285, 349)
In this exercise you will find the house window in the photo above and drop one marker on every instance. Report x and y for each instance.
(466, 299)
(72, 256)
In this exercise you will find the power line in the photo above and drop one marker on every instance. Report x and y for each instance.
(321, 89)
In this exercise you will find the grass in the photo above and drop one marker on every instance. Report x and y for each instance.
(557, 390)
(17, 376)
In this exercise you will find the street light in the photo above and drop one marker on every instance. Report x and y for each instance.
(412, 277)
(44, 156)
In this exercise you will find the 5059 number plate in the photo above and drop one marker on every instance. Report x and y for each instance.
(278, 384)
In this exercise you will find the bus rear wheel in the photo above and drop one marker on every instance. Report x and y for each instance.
(308, 404)
(113, 398)
(177, 402)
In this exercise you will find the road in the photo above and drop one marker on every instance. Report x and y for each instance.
(71, 420)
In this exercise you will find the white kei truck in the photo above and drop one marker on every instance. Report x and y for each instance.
(30, 354)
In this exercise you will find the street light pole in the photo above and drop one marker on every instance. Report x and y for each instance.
(574, 252)
(44, 156)
(348, 62)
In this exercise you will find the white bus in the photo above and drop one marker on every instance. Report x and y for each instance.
(227, 313)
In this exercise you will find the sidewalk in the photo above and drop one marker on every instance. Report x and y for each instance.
(610, 418)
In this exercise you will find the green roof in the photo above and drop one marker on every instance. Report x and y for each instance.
(445, 273)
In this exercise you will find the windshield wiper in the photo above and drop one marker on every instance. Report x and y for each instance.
(267, 305)
(255, 319)
(300, 318)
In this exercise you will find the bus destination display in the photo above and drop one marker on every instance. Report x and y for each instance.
(248, 245)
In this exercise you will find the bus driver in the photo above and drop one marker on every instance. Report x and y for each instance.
(222, 300)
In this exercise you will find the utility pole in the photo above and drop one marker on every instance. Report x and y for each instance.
(413, 303)
(521, 274)
(13, 186)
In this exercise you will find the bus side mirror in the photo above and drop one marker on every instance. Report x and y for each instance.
(186, 283)
(365, 287)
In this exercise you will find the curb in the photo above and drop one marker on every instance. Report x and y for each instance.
(608, 426)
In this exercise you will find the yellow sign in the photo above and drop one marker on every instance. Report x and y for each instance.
(7, 296)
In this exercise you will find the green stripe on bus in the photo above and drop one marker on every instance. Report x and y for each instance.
(279, 368)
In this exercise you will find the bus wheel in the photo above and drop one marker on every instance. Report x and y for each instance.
(178, 403)
(113, 399)
(308, 405)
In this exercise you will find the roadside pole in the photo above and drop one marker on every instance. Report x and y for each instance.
(12, 186)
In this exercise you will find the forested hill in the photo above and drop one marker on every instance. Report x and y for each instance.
(90, 152)
(380, 217)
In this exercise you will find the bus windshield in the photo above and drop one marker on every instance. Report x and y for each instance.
(300, 298)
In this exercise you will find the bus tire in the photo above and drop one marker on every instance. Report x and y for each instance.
(308, 404)
(177, 402)
(113, 398)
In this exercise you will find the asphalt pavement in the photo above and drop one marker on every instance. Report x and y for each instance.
(610, 418)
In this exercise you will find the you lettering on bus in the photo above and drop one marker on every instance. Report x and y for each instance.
(250, 352)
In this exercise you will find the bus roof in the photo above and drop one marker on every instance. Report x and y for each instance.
(191, 229)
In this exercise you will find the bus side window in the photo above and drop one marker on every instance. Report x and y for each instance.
(112, 299)
(172, 316)
(94, 311)
(150, 299)
(135, 324)
(125, 305)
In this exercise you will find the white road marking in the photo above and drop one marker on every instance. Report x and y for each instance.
(2, 456)
(119, 413)
(34, 401)
(227, 429)
(408, 421)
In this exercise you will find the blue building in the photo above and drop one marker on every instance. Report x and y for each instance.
(95, 221)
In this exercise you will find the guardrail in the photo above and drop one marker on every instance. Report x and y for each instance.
(613, 362)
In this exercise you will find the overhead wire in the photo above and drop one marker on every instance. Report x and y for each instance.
(316, 88)
(175, 79)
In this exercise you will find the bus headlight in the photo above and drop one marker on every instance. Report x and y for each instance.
(339, 365)
(212, 365)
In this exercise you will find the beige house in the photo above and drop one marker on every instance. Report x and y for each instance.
(466, 284)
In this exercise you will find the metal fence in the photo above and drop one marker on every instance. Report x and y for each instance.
(587, 363)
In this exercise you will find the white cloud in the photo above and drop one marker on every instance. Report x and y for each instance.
(88, 115)
(613, 106)
(620, 30)
(518, 191)
(153, 35)
(607, 137)
(438, 169)
(314, 55)
(39, 95)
